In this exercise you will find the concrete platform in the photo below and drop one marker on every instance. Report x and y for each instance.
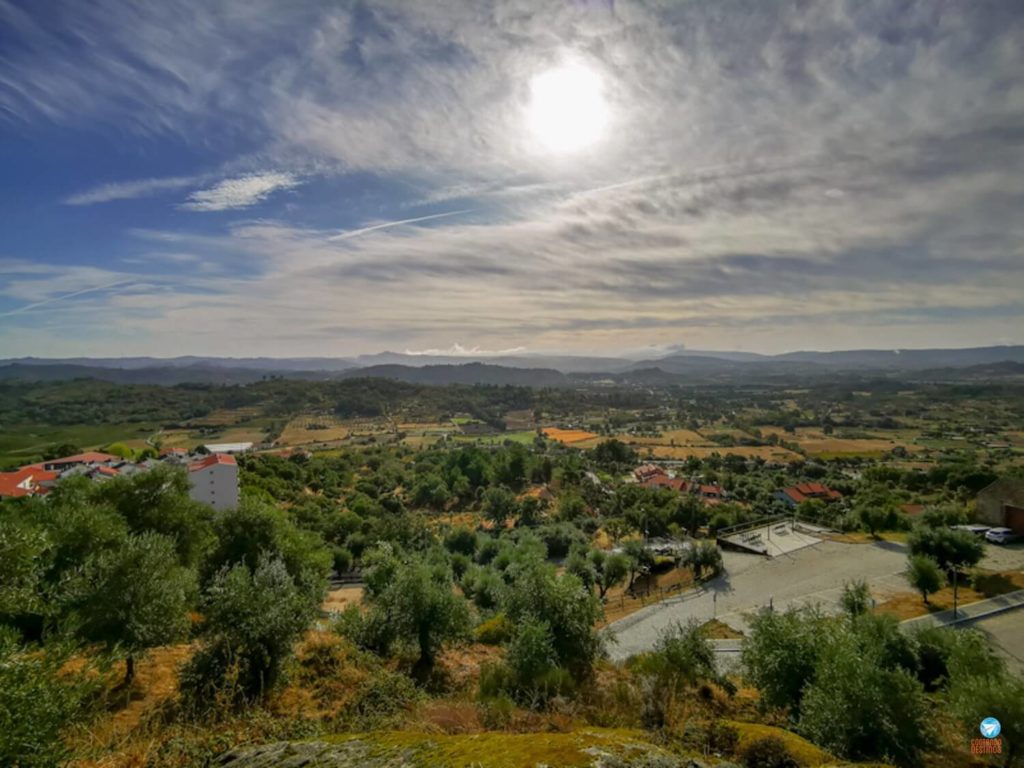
(779, 538)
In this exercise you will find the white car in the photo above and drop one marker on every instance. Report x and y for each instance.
(1001, 536)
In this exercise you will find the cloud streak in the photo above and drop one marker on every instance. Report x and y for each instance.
(388, 224)
(241, 192)
(63, 297)
(130, 190)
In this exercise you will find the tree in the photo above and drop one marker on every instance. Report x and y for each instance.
(562, 603)
(22, 552)
(856, 597)
(133, 598)
(860, 706)
(158, 501)
(40, 701)
(703, 556)
(780, 655)
(613, 455)
(255, 530)
(950, 549)
(499, 505)
(640, 559)
(252, 619)
(924, 575)
(610, 570)
(420, 608)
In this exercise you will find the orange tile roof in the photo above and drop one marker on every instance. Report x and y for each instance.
(212, 460)
(18, 483)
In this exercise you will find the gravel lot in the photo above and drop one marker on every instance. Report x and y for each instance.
(814, 574)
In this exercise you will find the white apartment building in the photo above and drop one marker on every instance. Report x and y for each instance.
(213, 480)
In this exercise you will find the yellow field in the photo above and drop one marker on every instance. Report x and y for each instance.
(766, 452)
(676, 436)
(298, 431)
(815, 442)
(569, 436)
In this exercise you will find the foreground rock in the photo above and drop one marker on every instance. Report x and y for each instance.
(595, 750)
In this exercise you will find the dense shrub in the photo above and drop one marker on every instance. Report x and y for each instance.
(39, 704)
(252, 620)
(768, 752)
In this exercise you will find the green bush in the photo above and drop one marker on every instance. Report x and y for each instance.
(39, 704)
(252, 621)
(768, 752)
(495, 631)
(382, 696)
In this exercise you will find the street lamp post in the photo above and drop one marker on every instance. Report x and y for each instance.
(955, 569)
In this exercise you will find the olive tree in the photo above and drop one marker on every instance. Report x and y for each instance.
(132, 598)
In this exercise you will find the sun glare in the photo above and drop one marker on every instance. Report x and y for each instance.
(567, 111)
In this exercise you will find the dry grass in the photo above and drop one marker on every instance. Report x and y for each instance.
(719, 630)
(298, 431)
(766, 452)
(338, 600)
(653, 589)
(909, 605)
(568, 436)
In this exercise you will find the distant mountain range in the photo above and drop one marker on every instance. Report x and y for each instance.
(531, 370)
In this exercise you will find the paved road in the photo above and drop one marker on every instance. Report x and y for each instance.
(1006, 633)
(812, 575)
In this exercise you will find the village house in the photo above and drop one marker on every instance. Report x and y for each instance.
(1001, 504)
(213, 479)
(797, 494)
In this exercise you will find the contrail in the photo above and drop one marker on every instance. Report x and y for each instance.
(386, 224)
(71, 295)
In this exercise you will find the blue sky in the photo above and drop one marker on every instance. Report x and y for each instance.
(333, 178)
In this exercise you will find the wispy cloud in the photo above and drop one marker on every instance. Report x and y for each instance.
(63, 297)
(457, 350)
(388, 224)
(241, 192)
(128, 190)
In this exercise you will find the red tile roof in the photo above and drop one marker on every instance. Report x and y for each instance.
(647, 471)
(212, 460)
(89, 457)
(804, 491)
(664, 481)
(109, 471)
(20, 482)
(710, 490)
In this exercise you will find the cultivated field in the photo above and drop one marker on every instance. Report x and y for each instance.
(569, 436)
(313, 429)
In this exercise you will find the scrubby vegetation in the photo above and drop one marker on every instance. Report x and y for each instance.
(486, 572)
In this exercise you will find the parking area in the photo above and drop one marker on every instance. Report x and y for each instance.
(809, 574)
(1006, 633)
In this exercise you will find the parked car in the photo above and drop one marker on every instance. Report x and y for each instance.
(978, 530)
(1001, 536)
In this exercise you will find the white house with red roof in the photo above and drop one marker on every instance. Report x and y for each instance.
(213, 480)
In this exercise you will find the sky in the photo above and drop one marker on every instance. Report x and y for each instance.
(252, 177)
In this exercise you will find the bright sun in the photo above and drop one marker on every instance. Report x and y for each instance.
(567, 110)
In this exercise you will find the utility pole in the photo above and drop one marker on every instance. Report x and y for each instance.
(955, 569)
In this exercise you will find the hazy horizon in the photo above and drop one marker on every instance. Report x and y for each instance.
(252, 179)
